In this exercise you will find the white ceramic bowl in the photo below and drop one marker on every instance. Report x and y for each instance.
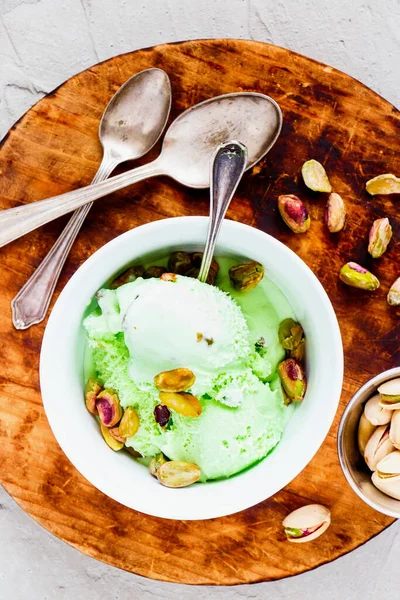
(116, 474)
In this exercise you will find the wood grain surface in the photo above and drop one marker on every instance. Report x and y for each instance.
(54, 148)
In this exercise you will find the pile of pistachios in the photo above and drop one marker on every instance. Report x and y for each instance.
(379, 437)
(296, 216)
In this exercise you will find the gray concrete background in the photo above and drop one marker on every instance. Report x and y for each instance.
(42, 43)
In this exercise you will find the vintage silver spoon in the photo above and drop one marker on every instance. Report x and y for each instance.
(131, 124)
(227, 168)
(254, 119)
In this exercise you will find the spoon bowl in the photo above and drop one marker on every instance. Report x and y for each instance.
(252, 118)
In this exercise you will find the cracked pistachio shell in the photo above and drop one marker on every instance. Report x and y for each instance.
(315, 177)
(356, 276)
(294, 213)
(394, 432)
(387, 475)
(365, 430)
(335, 213)
(307, 523)
(375, 413)
(390, 394)
(393, 296)
(379, 237)
(389, 466)
(176, 380)
(378, 446)
(178, 473)
(383, 184)
(109, 439)
(389, 486)
(92, 390)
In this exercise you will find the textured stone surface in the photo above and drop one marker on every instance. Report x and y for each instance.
(44, 42)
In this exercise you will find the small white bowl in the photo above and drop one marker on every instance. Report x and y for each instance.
(116, 474)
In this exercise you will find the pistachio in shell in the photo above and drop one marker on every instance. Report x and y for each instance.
(307, 523)
(246, 276)
(178, 473)
(156, 463)
(113, 443)
(375, 413)
(393, 297)
(154, 272)
(293, 379)
(355, 275)
(179, 262)
(378, 446)
(176, 380)
(365, 430)
(387, 475)
(394, 432)
(390, 394)
(128, 276)
(290, 334)
(109, 408)
(92, 390)
(315, 177)
(294, 213)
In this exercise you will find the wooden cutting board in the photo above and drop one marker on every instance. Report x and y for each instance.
(54, 148)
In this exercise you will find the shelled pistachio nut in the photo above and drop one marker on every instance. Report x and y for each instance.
(178, 473)
(365, 430)
(176, 380)
(393, 296)
(154, 272)
(299, 352)
(246, 276)
(383, 184)
(390, 394)
(315, 177)
(294, 213)
(182, 403)
(293, 379)
(92, 390)
(379, 237)
(375, 413)
(156, 463)
(378, 446)
(179, 262)
(109, 408)
(394, 432)
(387, 475)
(128, 276)
(335, 213)
(356, 276)
(109, 439)
(307, 523)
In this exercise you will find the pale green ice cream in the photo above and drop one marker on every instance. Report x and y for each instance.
(150, 326)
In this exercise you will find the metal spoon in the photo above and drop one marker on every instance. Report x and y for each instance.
(227, 168)
(253, 118)
(131, 124)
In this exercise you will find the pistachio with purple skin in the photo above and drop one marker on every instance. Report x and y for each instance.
(383, 184)
(293, 379)
(294, 213)
(355, 275)
(379, 237)
(335, 213)
(315, 177)
(92, 390)
(393, 296)
(162, 415)
(109, 408)
(307, 523)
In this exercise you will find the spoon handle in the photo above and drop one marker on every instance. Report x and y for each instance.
(15, 222)
(227, 168)
(30, 305)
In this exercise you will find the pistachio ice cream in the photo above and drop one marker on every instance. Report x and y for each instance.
(223, 341)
